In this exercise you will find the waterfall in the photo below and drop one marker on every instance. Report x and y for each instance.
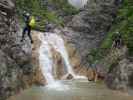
(58, 44)
(45, 59)
(78, 3)
(49, 41)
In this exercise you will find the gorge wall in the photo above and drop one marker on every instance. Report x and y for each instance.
(16, 71)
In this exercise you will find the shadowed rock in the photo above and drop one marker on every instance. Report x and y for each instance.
(16, 71)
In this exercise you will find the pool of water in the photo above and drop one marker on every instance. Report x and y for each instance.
(71, 90)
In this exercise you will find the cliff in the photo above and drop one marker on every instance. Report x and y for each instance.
(16, 70)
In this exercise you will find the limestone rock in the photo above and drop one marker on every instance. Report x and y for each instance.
(38, 75)
(67, 77)
(121, 76)
(117, 69)
(58, 67)
(15, 67)
(113, 57)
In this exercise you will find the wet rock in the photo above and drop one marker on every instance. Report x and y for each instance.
(38, 77)
(58, 68)
(15, 65)
(92, 75)
(77, 66)
(120, 77)
(117, 69)
(111, 60)
(67, 77)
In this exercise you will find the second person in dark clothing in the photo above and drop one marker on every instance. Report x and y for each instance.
(117, 40)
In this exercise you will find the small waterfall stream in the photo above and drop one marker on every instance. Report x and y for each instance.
(48, 42)
(78, 3)
(45, 59)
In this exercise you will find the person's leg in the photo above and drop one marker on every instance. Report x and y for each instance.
(23, 33)
(119, 43)
(29, 34)
(114, 44)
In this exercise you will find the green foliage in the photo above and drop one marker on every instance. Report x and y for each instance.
(96, 55)
(38, 9)
(124, 25)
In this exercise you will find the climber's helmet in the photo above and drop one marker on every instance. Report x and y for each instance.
(117, 32)
(28, 14)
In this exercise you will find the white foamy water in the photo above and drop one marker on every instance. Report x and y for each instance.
(58, 86)
(45, 59)
(78, 3)
(48, 42)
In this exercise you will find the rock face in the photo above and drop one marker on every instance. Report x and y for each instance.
(121, 76)
(120, 72)
(112, 59)
(75, 61)
(16, 70)
(90, 26)
(117, 69)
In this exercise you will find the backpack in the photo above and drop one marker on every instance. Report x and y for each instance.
(32, 22)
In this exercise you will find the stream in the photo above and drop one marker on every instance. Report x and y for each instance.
(71, 90)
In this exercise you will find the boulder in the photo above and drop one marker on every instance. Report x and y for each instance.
(67, 77)
(120, 77)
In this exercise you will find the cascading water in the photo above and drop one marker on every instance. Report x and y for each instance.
(48, 42)
(78, 3)
(58, 44)
(45, 59)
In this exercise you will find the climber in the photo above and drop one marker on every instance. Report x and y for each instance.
(29, 23)
(117, 40)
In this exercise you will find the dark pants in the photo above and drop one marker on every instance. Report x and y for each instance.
(117, 43)
(27, 30)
